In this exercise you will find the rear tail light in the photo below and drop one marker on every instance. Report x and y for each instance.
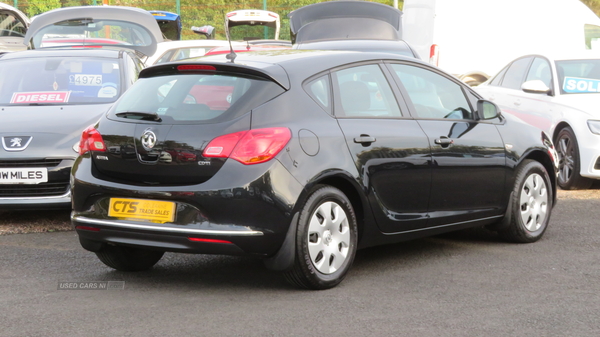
(91, 140)
(249, 147)
(434, 54)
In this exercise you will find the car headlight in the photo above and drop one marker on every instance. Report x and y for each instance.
(594, 127)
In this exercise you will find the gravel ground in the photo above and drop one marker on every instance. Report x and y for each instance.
(58, 221)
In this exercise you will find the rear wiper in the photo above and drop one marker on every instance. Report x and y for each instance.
(141, 115)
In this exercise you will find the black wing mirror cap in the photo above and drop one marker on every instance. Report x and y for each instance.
(487, 110)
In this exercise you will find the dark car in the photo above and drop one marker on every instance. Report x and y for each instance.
(50, 94)
(317, 154)
(349, 25)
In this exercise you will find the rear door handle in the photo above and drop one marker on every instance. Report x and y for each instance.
(364, 139)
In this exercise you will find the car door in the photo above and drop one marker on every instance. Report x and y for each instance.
(468, 156)
(390, 150)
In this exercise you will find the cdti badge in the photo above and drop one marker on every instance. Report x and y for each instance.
(16, 143)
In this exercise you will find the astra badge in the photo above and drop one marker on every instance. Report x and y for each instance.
(148, 140)
(16, 143)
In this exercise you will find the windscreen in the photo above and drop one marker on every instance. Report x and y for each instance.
(195, 98)
(578, 76)
(59, 80)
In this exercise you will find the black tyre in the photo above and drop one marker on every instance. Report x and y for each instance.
(325, 240)
(129, 259)
(531, 203)
(569, 164)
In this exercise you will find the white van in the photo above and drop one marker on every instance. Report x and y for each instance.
(474, 39)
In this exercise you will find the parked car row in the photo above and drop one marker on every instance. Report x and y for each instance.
(297, 157)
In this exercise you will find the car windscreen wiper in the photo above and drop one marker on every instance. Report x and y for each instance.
(141, 115)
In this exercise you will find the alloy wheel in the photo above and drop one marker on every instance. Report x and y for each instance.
(566, 160)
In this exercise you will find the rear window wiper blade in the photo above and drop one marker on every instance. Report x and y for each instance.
(141, 115)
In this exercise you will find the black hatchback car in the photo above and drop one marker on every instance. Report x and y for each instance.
(301, 158)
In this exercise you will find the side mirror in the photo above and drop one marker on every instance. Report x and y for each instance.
(487, 109)
(535, 87)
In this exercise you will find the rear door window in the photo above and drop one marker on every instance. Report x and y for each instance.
(364, 91)
(197, 98)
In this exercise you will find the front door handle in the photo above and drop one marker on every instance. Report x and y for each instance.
(444, 141)
(364, 139)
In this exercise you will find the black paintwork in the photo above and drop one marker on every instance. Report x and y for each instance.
(402, 185)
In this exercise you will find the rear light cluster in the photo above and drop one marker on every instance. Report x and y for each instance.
(249, 147)
(91, 140)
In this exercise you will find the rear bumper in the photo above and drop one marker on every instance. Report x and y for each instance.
(242, 210)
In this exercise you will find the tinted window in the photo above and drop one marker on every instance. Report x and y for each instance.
(540, 70)
(59, 80)
(365, 92)
(320, 91)
(516, 73)
(433, 95)
(197, 98)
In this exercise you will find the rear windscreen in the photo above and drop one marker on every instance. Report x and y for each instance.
(59, 80)
(196, 98)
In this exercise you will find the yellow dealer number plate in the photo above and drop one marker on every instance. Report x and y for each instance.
(152, 210)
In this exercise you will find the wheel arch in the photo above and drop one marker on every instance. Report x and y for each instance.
(544, 159)
(558, 128)
(346, 183)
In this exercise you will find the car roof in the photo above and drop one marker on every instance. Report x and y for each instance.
(137, 16)
(277, 64)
